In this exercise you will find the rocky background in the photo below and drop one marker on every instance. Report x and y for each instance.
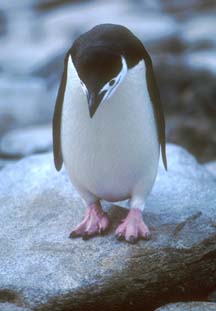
(35, 34)
(40, 268)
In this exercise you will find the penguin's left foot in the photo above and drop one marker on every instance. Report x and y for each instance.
(133, 228)
(96, 222)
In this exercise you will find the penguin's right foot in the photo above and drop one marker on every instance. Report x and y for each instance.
(96, 222)
(133, 228)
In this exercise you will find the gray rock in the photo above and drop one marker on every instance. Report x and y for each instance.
(200, 28)
(3, 23)
(46, 270)
(35, 45)
(18, 143)
(24, 102)
(202, 60)
(211, 167)
(34, 56)
(11, 307)
(4, 162)
(150, 28)
(189, 306)
(189, 106)
(187, 8)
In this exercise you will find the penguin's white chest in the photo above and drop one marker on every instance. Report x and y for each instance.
(117, 150)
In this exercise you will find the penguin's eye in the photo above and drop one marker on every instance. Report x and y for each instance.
(112, 82)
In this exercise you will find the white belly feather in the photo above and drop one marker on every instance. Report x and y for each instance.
(115, 154)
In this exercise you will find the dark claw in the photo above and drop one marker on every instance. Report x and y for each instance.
(119, 237)
(104, 231)
(85, 236)
(105, 214)
(73, 235)
(132, 239)
(147, 237)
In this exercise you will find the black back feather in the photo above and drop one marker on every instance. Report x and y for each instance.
(157, 106)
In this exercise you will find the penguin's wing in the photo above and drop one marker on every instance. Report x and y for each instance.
(58, 159)
(157, 105)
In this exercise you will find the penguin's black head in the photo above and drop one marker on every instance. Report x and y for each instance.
(100, 71)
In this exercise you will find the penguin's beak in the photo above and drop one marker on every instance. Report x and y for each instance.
(94, 101)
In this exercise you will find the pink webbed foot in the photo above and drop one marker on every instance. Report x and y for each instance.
(133, 227)
(95, 222)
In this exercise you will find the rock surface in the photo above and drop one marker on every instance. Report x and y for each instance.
(11, 307)
(42, 269)
(18, 143)
(189, 306)
(211, 167)
(24, 102)
(4, 162)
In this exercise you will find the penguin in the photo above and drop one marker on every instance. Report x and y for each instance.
(109, 128)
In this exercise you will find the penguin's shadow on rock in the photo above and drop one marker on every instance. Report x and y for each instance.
(116, 215)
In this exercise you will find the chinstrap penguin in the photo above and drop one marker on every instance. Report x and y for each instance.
(109, 128)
